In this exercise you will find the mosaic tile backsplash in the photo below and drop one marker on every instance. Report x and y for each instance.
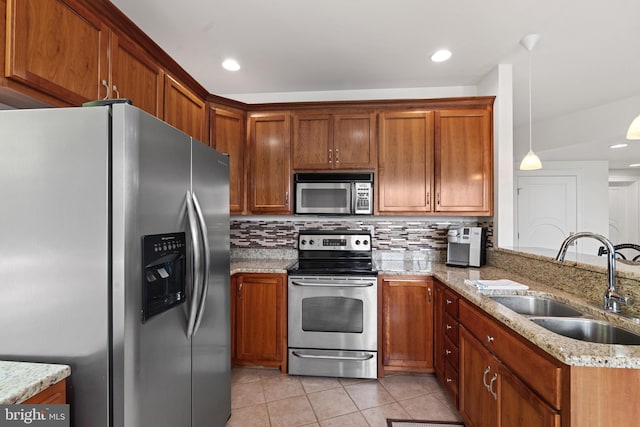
(399, 234)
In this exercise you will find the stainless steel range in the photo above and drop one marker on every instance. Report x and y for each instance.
(333, 306)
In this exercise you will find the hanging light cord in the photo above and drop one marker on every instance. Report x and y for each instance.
(530, 126)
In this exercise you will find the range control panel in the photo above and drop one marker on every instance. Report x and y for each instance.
(335, 242)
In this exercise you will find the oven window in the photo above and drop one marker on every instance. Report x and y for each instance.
(332, 314)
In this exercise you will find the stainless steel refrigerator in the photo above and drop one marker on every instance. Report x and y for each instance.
(114, 259)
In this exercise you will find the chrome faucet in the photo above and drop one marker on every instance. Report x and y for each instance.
(612, 298)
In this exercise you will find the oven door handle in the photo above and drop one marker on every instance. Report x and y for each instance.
(333, 284)
(318, 356)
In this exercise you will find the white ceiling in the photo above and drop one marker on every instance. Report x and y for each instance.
(588, 53)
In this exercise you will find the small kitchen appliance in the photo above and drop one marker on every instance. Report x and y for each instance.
(331, 193)
(333, 306)
(466, 246)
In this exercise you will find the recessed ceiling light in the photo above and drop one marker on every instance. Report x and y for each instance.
(634, 165)
(230, 64)
(618, 146)
(441, 55)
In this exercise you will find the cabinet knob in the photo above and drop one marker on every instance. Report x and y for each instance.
(447, 352)
(449, 327)
(489, 338)
(449, 302)
(449, 380)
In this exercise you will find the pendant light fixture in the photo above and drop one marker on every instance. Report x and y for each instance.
(531, 161)
(634, 129)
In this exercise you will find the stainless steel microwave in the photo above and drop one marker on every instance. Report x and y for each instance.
(326, 193)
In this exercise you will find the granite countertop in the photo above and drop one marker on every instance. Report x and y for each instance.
(20, 381)
(567, 350)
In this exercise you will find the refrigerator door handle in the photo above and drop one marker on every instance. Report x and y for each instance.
(197, 269)
(207, 260)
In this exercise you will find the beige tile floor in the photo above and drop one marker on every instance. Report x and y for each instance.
(265, 397)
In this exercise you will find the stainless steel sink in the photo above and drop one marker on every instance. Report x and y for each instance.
(591, 330)
(536, 306)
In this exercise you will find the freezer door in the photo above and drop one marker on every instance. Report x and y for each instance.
(151, 360)
(211, 341)
(54, 234)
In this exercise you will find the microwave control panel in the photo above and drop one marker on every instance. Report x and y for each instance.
(363, 198)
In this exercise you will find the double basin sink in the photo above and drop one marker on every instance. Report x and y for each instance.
(566, 320)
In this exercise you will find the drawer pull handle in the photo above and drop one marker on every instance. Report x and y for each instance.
(493, 393)
(484, 377)
(489, 338)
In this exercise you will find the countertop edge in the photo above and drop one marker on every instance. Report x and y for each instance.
(20, 381)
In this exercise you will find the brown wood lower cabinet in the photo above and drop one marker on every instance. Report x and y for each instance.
(407, 323)
(52, 395)
(259, 321)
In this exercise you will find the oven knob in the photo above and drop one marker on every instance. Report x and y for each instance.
(303, 242)
(357, 242)
(366, 242)
(311, 242)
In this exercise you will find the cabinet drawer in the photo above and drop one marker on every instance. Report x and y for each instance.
(451, 328)
(451, 382)
(451, 352)
(451, 302)
(537, 369)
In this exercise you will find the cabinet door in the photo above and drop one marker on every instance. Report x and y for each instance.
(478, 368)
(57, 47)
(227, 136)
(519, 406)
(312, 141)
(136, 76)
(354, 141)
(270, 159)
(405, 162)
(464, 159)
(407, 322)
(260, 306)
(184, 110)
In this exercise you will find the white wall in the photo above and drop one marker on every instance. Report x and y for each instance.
(357, 95)
(499, 82)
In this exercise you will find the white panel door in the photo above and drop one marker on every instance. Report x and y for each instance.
(546, 210)
(623, 212)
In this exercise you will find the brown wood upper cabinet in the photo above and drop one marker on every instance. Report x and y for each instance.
(58, 47)
(66, 51)
(184, 110)
(270, 163)
(405, 162)
(227, 136)
(334, 141)
(463, 162)
(437, 161)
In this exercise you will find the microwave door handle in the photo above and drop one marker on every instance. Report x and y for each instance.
(207, 261)
(353, 198)
(195, 237)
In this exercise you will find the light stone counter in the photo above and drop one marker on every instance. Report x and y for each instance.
(567, 350)
(20, 381)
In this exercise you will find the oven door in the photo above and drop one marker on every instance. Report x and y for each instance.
(323, 198)
(338, 313)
